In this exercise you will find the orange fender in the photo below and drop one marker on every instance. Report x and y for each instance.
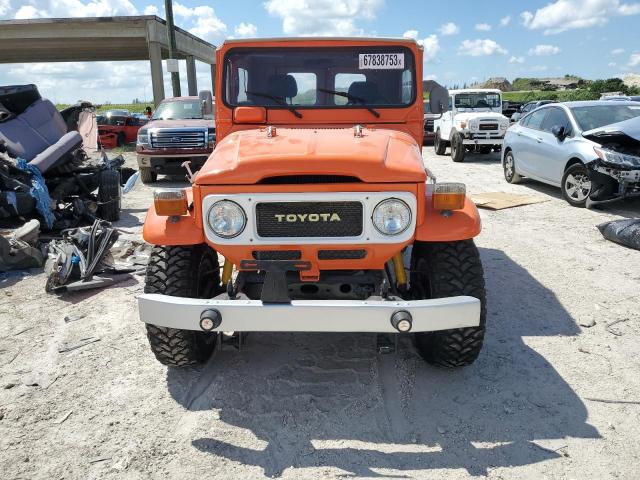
(182, 230)
(460, 225)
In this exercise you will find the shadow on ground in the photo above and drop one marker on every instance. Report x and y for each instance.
(628, 208)
(321, 400)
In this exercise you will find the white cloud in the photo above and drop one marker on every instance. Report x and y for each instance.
(480, 47)
(634, 60)
(246, 30)
(504, 21)
(544, 50)
(68, 8)
(617, 51)
(151, 10)
(323, 17)
(449, 28)
(29, 11)
(206, 24)
(5, 6)
(431, 44)
(515, 59)
(563, 15)
(483, 27)
(431, 77)
(612, 64)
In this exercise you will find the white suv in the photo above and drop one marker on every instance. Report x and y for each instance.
(474, 122)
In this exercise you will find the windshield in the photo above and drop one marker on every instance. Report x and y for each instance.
(344, 77)
(180, 110)
(478, 100)
(597, 116)
(110, 120)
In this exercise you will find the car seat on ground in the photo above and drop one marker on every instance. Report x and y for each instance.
(39, 135)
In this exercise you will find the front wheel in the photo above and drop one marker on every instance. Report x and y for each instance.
(509, 166)
(438, 144)
(190, 272)
(576, 185)
(449, 269)
(147, 175)
(457, 148)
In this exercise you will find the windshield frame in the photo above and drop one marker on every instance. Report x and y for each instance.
(476, 93)
(359, 106)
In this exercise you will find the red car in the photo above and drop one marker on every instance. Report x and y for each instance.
(118, 127)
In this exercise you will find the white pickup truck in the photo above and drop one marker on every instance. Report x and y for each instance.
(474, 123)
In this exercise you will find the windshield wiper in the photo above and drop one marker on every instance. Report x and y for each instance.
(353, 98)
(278, 100)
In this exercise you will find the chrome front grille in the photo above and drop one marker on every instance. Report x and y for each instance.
(178, 138)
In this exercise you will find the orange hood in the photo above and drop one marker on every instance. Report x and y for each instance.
(379, 156)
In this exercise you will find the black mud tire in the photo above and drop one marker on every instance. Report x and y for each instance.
(439, 145)
(109, 195)
(458, 149)
(147, 175)
(191, 272)
(442, 270)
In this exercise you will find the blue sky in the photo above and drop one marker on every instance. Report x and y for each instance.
(465, 41)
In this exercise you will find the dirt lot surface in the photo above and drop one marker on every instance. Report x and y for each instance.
(555, 393)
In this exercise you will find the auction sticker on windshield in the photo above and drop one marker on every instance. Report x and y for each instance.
(381, 61)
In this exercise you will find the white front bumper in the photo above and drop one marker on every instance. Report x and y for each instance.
(243, 315)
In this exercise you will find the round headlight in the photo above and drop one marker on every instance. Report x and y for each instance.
(227, 219)
(391, 216)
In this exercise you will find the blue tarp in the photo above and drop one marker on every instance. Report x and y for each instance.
(39, 191)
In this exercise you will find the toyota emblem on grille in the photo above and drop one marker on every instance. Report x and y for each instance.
(176, 139)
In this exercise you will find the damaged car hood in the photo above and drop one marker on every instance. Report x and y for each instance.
(250, 156)
(625, 133)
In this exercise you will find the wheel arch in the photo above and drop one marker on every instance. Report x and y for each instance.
(505, 150)
(463, 224)
(572, 161)
(173, 231)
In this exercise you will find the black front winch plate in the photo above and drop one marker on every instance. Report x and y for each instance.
(274, 288)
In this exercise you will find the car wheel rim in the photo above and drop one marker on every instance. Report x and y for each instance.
(508, 166)
(577, 186)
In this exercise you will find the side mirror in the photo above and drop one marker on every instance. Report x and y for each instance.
(438, 97)
(250, 115)
(559, 132)
(206, 100)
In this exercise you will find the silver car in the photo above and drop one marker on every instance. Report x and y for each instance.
(591, 150)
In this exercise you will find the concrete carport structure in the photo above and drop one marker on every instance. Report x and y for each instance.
(104, 39)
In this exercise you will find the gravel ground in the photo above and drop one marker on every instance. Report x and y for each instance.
(554, 394)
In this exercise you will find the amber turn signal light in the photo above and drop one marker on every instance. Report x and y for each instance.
(170, 202)
(449, 196)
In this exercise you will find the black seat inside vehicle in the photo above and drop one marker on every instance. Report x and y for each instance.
(367, 91)
(282, 86)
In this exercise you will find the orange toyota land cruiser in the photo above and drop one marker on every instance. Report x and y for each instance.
(315, 213)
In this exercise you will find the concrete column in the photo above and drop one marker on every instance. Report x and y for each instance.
(157, 82)
(192, 80)
(213, 79)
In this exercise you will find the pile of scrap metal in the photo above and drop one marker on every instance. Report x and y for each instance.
(44, 170)
(74, 260)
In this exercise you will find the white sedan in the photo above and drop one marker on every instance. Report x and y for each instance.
(591, 150)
